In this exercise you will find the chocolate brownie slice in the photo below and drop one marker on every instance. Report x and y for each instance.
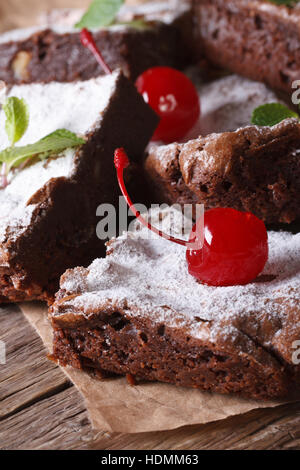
(258, 39)
(254, 169)
(48, 210)
(139, 312)
(54, 52)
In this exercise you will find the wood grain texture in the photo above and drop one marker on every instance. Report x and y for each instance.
(26, 366)
(40, 409)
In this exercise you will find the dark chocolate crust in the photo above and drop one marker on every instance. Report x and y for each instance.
(241, 36)
(48, 56)
(252, 169)
(163, 174)
(63, 231)
(113, 342)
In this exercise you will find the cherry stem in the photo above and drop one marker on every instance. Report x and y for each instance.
(121, 162)
(88, 41)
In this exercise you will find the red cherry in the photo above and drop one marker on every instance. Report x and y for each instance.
(235, 247)
(174, 98)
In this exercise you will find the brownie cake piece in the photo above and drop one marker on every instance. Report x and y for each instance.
(254, 38)
(254, 169)
(48, 211)
(54, 52)
(226, 104)
(139, 312)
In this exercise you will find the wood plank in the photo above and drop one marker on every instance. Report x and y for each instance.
(61, 422)
(27, 374)
(57, 422)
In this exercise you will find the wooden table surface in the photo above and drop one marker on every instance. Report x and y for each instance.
(41, 409)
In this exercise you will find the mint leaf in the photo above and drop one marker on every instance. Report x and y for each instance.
(56, 142)
(100, 13)
(271, 113)
(17, 118)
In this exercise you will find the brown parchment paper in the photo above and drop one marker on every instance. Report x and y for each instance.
(115, 406)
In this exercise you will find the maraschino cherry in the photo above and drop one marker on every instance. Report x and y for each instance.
(235, 248)
(174, 98)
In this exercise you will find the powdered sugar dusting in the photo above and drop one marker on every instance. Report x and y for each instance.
(77, 107)
(164, 11)
(149, 277)
(228, 103)
(15, 213)
(291, 15)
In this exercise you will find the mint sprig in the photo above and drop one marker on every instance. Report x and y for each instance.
(100, 13)
(271, 114)
(17, 119)
(56, 142)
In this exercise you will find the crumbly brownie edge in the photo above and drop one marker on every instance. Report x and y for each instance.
(15, 288)
(249, 40)
(163, 175)
(48, 56)
(63, 232)
(120, 344)
(252, 169)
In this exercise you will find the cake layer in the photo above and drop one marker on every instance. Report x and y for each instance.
(54, 52)
(254, 169)
(257, 39)
(48, 210)
(139, 312)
